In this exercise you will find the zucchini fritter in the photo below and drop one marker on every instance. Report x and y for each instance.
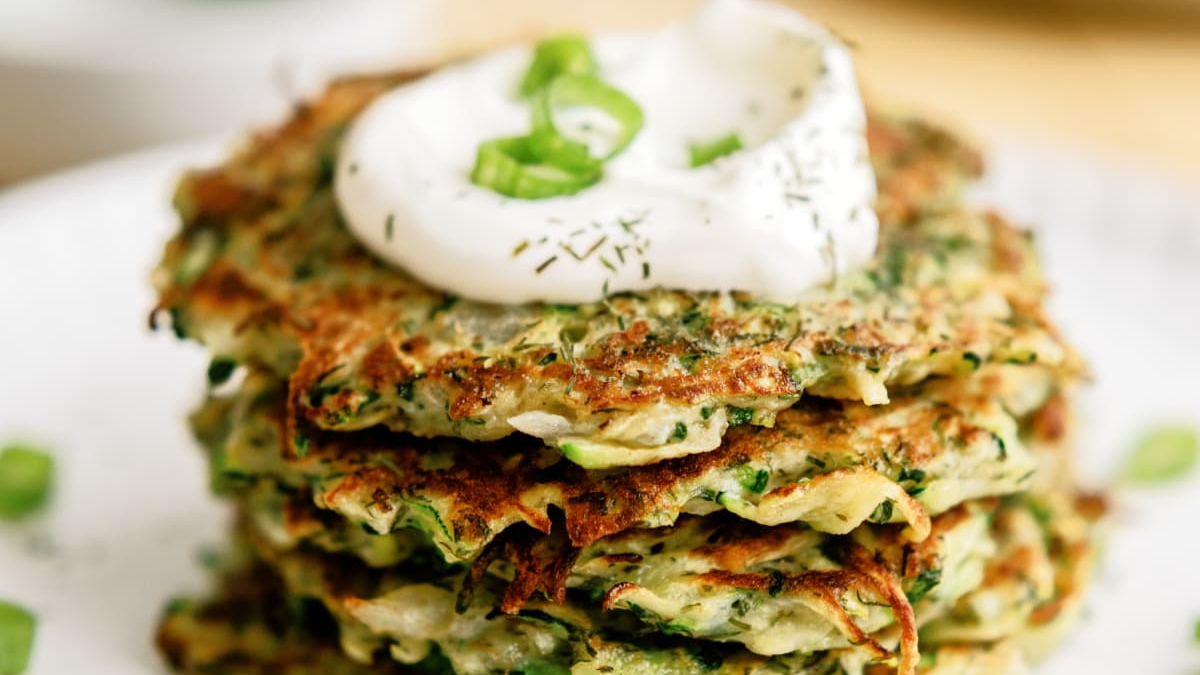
(829, 464)
(265, 273)
(782, 592)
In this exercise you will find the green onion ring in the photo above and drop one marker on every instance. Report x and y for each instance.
(511, 167)
(560, 55)
(581, 90)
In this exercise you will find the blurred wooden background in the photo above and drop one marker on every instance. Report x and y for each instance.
(1119, 78)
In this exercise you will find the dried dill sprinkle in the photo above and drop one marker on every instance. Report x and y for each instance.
(570, 251)
(645, 270)
(594, 247)
(389, 226)
(546, 263)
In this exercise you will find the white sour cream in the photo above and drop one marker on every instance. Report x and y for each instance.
(790, 211)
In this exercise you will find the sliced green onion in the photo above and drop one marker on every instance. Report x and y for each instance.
(546, 163)
(509, 166)
(25, 476)
(16, 638)
(573, 91)
(707, 152)
(1163, 454)
(563, 153)
(559, 55)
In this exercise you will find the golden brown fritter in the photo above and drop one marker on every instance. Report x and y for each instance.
(829, 464)
(782, 592)
(264, 272)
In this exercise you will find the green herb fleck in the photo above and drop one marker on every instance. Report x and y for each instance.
(1163, 454)
(924, 583)
(754, 480)
(1001, 444)
(448, 301)
(706, 412)
(548, 359)
(220, 370)
(26, 475)
(694, 321)
(327, 153)
(973, 359)
(739, 416)
(300, 440)
(17, 626)
(680, 433)
(778, 583)
(319, 391)
(883, 512)
(177, 327)
(916, 477)
(371, 397)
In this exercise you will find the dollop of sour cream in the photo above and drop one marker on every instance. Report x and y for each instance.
(791, 210)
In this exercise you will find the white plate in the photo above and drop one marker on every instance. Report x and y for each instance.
(83, 375)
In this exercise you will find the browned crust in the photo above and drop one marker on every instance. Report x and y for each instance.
(323, 321)
(487, 483)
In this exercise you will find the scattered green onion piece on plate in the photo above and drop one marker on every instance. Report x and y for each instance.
(25, 477)
(1163, 454)
(16, 638)
(710, 151)
(509, 166)
(560, 55)
(574, 91)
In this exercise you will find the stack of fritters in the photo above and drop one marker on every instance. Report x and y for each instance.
(661, 482)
